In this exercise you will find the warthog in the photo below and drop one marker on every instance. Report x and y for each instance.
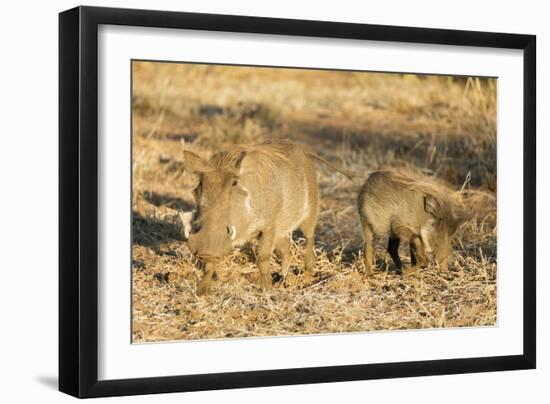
(407, 206)
(247, 192)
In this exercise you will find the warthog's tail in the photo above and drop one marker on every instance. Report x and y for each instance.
(349, 174)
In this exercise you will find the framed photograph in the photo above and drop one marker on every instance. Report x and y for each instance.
(251, 201)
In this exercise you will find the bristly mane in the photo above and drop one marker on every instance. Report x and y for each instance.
(417, 181)
(268, 154)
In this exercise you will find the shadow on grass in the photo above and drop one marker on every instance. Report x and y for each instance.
(151, 231)
(459, 155)
(167, 200)
(347, 256)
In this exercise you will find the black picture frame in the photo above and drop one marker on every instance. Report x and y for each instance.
(78, 201)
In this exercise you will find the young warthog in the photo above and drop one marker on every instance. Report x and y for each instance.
(411, 207)
(246, 192)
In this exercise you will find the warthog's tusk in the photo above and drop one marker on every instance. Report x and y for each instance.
(233, 232)
(185, 221)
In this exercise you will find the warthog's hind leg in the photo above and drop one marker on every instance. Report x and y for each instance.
(308, 225)
(264, 259)
(444, 264)
(308, 228)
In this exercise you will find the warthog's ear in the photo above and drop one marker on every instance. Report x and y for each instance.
(431, 205)
(239, 162)
(194, 163)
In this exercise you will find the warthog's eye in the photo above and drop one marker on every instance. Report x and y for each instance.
(195, 227)
(234, 182)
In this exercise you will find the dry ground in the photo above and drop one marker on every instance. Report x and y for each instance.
(362, 121)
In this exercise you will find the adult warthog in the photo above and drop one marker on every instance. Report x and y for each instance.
(407, 206)
(246, 192)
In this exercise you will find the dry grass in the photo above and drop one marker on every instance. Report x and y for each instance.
(363, 121)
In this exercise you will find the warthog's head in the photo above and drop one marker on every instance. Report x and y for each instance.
(437, 232)
(221, 206)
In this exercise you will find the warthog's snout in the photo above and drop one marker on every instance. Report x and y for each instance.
(205, 248)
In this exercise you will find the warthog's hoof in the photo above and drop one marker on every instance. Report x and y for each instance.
(306, 278)
(368, 269)
(265, 281)
(368, 272)
(204, 287)
(411, 271)
(202, 290)
(288, 280)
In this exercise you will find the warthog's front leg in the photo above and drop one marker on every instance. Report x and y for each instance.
(265, 252)
(209, 278)
(443, 264)
(393, 250)
(283, 246)
(418, 255)
(310, 255)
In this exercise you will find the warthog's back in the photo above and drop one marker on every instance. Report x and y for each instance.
(281, 181)
(386, 201)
